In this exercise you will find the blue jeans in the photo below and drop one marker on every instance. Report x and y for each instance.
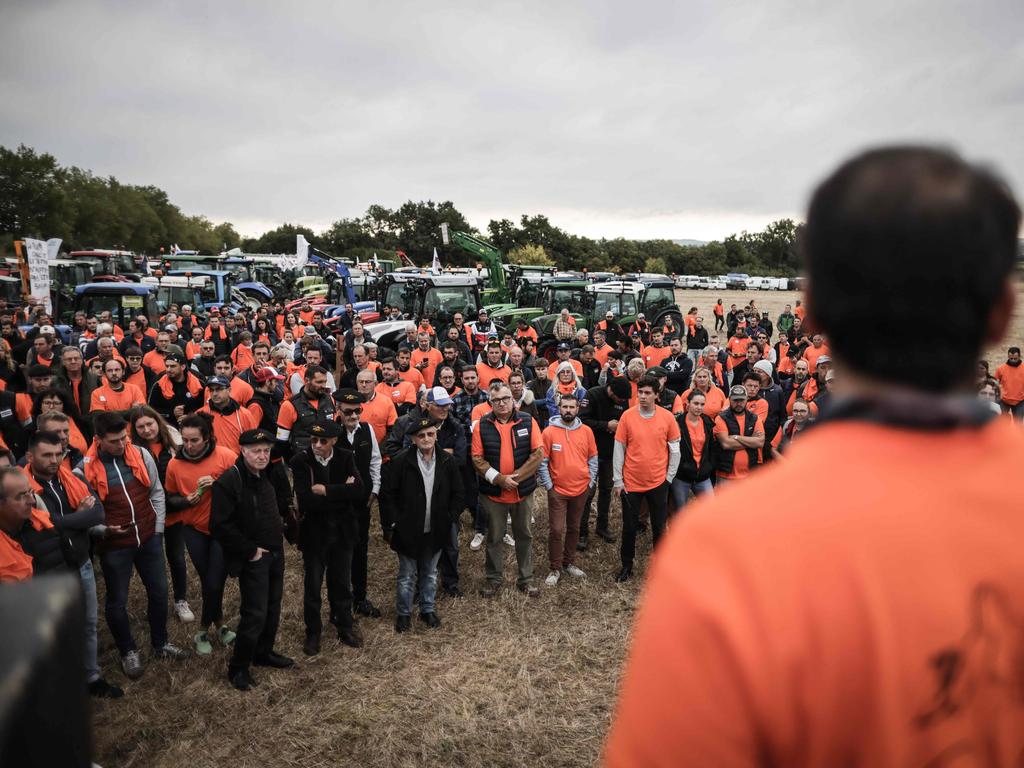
(117, 566)
(208, 558)
(416, 574)
(681, 491)
(92, 612)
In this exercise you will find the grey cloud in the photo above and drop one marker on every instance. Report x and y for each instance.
(618, 116)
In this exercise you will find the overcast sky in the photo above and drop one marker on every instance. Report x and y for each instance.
(636, 119)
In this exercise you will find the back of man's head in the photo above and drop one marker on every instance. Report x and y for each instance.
(900, 231)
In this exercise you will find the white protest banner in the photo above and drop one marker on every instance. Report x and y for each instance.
(37, 257)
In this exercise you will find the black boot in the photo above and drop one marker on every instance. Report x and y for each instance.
(312, 645)
(431, 620)
(241, 679)
(625, 574)
(403, 624)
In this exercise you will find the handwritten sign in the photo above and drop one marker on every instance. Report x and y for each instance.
(37, 257)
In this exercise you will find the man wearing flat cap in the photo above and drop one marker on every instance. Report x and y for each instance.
(246, 518)
(420, 497)
(327, 484)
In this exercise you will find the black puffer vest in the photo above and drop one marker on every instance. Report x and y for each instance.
(306, 415)
(522, 431)
(726, 457)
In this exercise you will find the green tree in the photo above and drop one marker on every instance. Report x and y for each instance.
(345, 235)
(418, 229)
(32, 198)
(533, 255)
(280, 240)
(655, 264)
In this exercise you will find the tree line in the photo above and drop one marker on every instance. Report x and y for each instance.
(40, 198)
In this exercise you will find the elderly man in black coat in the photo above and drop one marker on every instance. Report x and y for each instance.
(327, 483)
(420, 496)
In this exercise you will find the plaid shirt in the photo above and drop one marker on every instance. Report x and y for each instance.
(563, 331)
(463, 405)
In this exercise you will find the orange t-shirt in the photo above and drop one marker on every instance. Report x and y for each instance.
(400, 392)
(380, 414)
(489, 374)
(741, 461)
(786, 611)
(718, 309)
(737, 348)
(800, 312)
(645, 441)
(653, 355)
(811, 355)
(433, 357)
(413, 376)
(479, 410)
(697, 439)
(601, 354)
(1011, 381)
(568, 452)
(714, 401)
(15, 563)
(183, 479)
(227, 428)
(506, 465)
(106, 399)
(154, 361)
(242, 357)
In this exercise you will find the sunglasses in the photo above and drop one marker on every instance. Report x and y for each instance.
(350, 411)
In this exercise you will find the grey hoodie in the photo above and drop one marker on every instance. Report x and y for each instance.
(543, 475)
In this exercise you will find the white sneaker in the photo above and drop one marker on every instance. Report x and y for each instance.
(509, 540)
(477, 542)
(552, 579)
(572, 570)
(183, 612)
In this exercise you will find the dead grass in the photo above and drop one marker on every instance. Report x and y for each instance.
(508, 682)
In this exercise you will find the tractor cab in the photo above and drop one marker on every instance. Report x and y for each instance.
(115, 266)
(416, 295)
(124, 301)
(196, 291)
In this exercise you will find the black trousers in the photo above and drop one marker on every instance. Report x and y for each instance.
(359, 553)
(260, 585)
(603, 491)
(335, 560)
(657, 505)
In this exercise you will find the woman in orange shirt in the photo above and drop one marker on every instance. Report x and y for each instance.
(714, 398)
(719, 312)
(697, 453)
(190, 475)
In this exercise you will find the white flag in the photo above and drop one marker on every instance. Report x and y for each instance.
(435, 267)
(37, 258)
(301, 251)
(53, 248)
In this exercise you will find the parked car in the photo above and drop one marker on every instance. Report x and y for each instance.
(737, 281)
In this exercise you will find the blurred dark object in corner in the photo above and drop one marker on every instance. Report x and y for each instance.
(44, 704)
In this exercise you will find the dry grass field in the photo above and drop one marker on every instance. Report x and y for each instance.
(509, 682)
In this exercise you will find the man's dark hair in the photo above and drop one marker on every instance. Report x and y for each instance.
(751, 376)
(261, 345)
(43, 436)
(648, 381)
(313, 370)
(108, 423)
(565, 396)
(1013, 351)
(133, 351)
(908, 229)
(223, 359)
(388, 360)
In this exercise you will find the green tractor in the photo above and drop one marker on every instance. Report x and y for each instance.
(510, 296)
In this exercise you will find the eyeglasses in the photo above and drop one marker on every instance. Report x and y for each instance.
(506, 399)
(350, 411)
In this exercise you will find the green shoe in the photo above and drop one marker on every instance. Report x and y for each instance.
(203, 645)
(227, 637)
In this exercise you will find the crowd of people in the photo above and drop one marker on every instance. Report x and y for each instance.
(223, 436)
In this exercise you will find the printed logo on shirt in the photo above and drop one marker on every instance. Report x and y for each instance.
(556, 447)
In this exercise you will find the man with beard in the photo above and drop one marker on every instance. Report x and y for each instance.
(679, 365)
(115, 395)
(740, 436)
(297, 415)
(266, 397)
(401, 392)
(177, 392)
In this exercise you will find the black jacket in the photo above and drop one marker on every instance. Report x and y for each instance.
(680, 369)
(596, 410)
(699, 339)
(449, 435)
(246, 512)
(403, 502)
(329, 519)
(689, 471)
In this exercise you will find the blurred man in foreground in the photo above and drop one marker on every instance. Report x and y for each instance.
(888, 628)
